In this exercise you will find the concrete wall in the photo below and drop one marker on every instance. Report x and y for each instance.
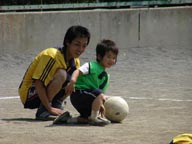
(28, 32)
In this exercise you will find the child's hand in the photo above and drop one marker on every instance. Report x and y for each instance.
(102, 111)
(69, 88)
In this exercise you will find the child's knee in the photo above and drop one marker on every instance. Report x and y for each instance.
(101, 97)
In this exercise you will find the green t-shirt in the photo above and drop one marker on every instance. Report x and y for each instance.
(97, 78)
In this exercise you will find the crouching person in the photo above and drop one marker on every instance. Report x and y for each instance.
(44, 82)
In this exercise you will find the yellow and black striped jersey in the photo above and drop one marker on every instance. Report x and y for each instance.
(43, 67)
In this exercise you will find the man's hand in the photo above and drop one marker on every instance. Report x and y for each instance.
(56, 111)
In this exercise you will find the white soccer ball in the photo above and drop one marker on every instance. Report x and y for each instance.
(116, 109)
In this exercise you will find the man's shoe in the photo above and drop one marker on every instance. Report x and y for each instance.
(62, 118)
(99, 121)
(56, 103)
(42, 113)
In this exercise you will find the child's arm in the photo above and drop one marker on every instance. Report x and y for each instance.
(71, 85)
(84, 69)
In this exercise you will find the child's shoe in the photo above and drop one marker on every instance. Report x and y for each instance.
(99, 121)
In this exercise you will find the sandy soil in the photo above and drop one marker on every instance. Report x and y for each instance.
(156, 82)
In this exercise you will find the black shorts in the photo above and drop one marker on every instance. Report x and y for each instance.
(82, 101)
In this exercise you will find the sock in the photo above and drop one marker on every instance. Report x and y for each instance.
(94, 114)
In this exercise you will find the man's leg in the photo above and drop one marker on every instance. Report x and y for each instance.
(58, 100)
(60, 96)
(56, 84)
(53, 88)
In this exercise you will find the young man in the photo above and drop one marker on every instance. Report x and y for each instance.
(88, 85)
(44, 82)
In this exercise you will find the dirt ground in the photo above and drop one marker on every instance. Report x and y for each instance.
(156, 82)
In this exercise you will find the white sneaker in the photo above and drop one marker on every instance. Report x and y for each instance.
(99, 121)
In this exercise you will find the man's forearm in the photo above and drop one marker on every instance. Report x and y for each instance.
(41, 90)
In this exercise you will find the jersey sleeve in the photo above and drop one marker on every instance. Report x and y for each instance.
(77, 62)
(44, 70)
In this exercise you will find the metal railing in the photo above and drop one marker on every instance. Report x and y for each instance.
(95, 5)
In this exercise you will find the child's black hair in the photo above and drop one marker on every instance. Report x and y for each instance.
(105, 46)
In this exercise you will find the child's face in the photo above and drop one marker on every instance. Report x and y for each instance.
(76, 47)
(109, 59)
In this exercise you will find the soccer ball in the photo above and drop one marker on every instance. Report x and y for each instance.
(116, 109)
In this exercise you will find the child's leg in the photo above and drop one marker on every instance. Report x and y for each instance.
(82, 101)
(96, 105)
(99, 100)
(88, 104)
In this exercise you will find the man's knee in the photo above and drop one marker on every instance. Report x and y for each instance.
(60, 75)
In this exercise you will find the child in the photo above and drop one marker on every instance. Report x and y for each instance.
(88, 85)
(44, 81)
